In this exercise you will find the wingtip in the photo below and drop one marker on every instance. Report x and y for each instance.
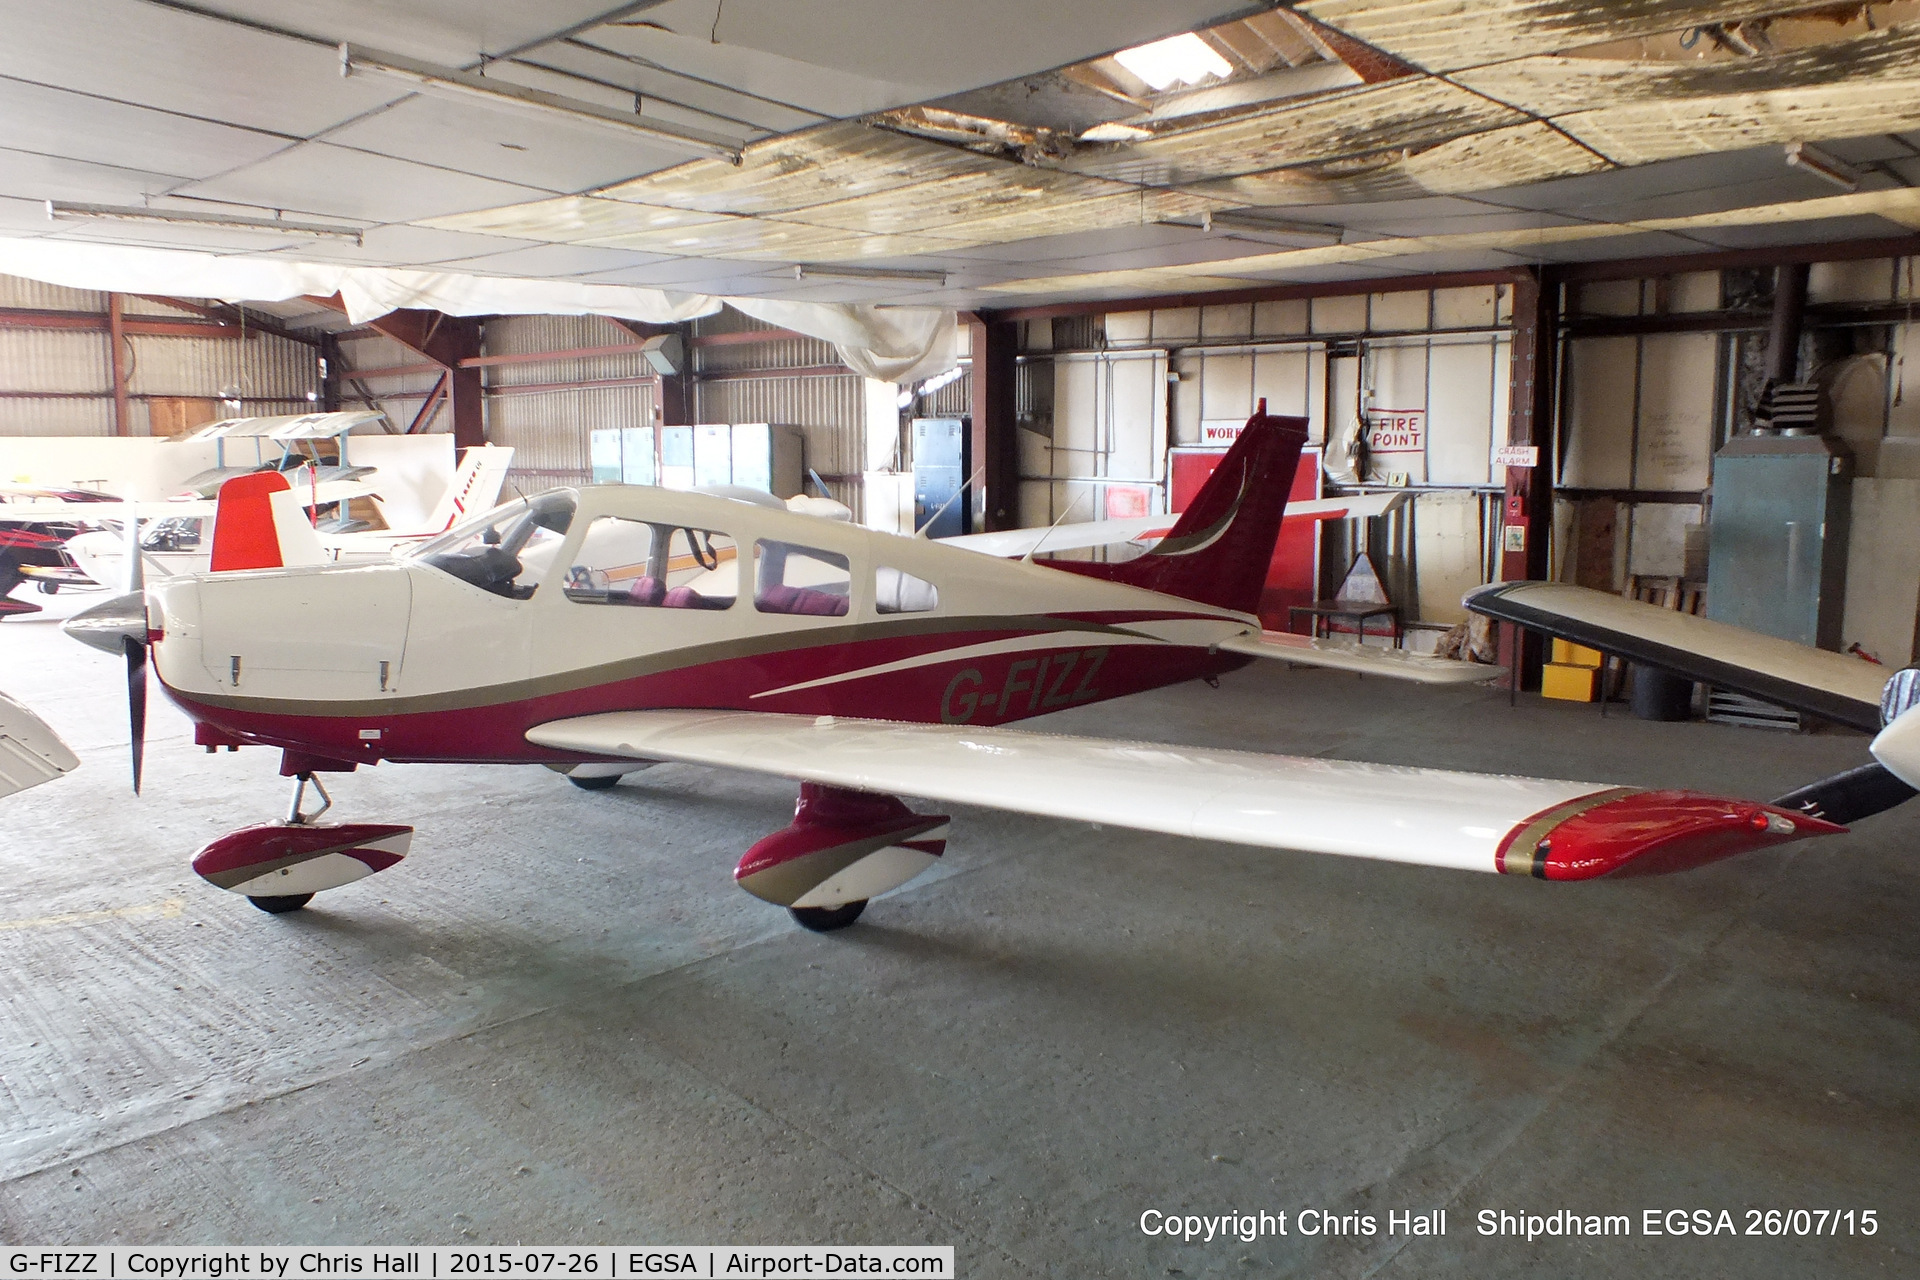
(1641, 833)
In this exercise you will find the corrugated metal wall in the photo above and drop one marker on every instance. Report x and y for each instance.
(398, 397)
(60, 382)
(830, 409)
(549, 429)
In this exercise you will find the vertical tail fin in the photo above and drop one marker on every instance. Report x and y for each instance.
(475, 487)
(1219, 551)
(260, 524)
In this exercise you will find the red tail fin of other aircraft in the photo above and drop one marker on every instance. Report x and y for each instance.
(1219, 551)
(259, 524)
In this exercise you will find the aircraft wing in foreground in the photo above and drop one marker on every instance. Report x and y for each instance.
(1836, 686)
(30, 752)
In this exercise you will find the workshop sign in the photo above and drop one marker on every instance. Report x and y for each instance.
(1396, 431)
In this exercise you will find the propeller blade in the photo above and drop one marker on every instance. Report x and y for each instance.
(137, 704)
(1850, 796)
(135, 569)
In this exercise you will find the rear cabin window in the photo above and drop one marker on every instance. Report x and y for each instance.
(895, 591)
(640, 564)
(790, 578)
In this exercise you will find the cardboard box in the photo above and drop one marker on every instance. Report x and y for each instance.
(1569, 654)
(1570, 683)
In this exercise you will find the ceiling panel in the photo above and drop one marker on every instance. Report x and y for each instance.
(1862, 228)
(401, 246)
(650, 78)
(1362, 121)
(552, 261)
(935, 46)
(1448, 35)
(832, 163)
(316, 177)
(167, 58)
(569, 219)
(60, 122)
(38, 177)
(454, 31)
(504, 145)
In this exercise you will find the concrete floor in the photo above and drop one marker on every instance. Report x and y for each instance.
(559, 1023)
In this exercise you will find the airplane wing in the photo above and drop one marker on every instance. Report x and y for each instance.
(1367, 660)
(1011, 543)
(30, 752)
(203, 508)
(1837, 686)
(1478, 822)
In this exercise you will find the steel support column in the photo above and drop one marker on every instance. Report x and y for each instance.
(1527, 512)
(117, 361)
(447, 341)
(995, 503)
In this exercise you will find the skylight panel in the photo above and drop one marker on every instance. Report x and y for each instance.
(1181, 59)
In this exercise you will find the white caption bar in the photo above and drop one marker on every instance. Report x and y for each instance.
(417, 1262)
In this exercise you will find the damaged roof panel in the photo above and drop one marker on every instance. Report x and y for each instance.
(1452, 35)
(1392, 115)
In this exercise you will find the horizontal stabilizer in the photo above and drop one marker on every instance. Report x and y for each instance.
(1476, 822)
(1833, 685)
(1367, 660)
(1011, 543)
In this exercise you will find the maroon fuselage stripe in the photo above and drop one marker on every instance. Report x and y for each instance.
(985, 690)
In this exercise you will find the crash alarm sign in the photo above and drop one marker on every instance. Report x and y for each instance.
(1396, 431)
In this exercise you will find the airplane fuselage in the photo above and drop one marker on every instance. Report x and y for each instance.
(649, 599)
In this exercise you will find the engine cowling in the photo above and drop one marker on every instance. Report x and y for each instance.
(843, 846)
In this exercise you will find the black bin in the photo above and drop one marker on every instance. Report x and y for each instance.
(1661, 695)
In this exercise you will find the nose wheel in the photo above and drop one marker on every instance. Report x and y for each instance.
(283, 903)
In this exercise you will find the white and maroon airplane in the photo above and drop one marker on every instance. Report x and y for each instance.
(607, 629)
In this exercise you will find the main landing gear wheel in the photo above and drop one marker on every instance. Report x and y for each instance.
(595, 784)
(827, 919)
(280, 904)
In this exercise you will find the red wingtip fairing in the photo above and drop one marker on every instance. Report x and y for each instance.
(243, 532)
(1219, 551)
(1645, 833)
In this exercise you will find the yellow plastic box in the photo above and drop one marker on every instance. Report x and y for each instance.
(1569, 682)
(1568, 654)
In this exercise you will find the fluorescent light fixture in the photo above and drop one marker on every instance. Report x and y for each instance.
(1822, 165)
(454, 83)
(1247, 221)
(62, 211)
(1181, 59)
(833, 271)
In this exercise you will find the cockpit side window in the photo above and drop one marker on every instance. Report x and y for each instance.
(790, 578)
(508, 550)
(637, 562)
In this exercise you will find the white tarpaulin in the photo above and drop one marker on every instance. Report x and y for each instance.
(893, 344)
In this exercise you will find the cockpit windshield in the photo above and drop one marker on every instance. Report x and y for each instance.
(508, 550)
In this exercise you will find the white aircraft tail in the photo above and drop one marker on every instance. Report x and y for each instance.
(475, 488)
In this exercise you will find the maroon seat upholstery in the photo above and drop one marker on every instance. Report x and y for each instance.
(804, 600)
(688, 598)
(646, 590)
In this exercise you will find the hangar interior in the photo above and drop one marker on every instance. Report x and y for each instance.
(1619, 239)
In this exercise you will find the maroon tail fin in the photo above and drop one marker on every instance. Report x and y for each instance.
(1219, 550)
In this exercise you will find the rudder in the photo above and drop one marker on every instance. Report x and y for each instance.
(1219, 551)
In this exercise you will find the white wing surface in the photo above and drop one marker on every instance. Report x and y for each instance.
(1835, 685)
(30, 752)
(1475, 822)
